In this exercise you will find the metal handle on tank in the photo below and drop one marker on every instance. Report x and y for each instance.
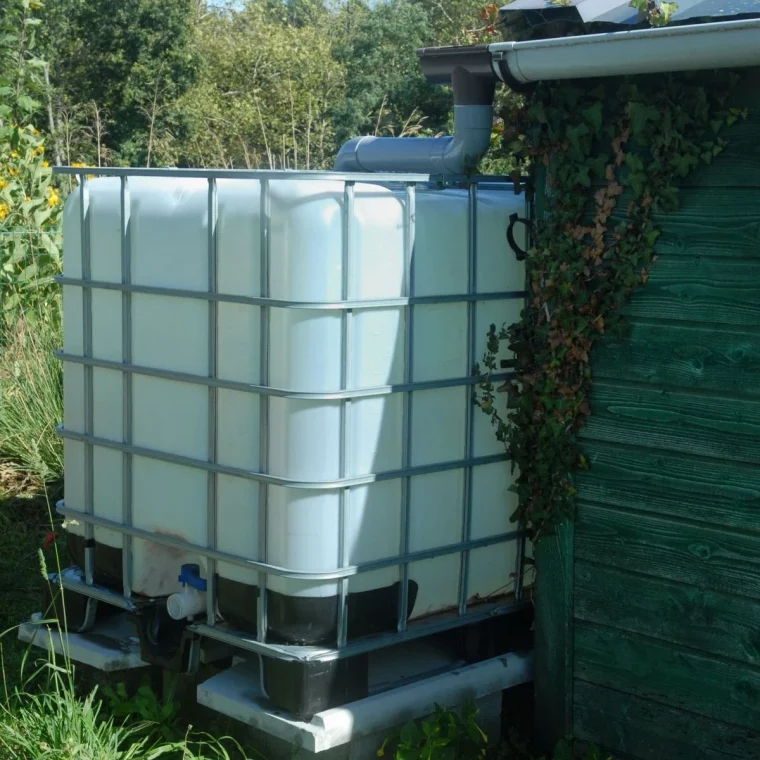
(520, 253)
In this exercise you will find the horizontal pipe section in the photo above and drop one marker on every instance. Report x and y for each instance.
(93, 591)
(202, 295)
(316, 485)
(265, 390)
(250, 564)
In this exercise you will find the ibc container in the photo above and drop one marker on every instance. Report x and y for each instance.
(272, 379)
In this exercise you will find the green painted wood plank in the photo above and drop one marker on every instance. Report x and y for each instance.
(681, 354)
(700, 289)
(554, 636)
(715, 623)
(710, 222)
(704, 424)
(650, 731)
(715, 559)
(675, 677)
(715, 492)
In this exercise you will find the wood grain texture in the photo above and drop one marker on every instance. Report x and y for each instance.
(715, 492)
(703, 424)
(680, 354)
(644, 729)
(699, 288)
(719, 222)
(554, 636)
(726, 626)
(675, 677)
(711, 558)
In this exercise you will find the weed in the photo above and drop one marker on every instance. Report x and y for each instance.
(31, 398)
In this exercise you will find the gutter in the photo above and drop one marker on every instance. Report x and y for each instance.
(692, 47)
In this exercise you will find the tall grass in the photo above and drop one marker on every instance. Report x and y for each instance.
(31, 396)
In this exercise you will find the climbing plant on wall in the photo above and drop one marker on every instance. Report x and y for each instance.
(607, 157)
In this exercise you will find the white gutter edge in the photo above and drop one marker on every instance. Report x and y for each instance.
(723, 44)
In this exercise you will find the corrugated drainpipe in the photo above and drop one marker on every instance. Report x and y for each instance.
(472, 78)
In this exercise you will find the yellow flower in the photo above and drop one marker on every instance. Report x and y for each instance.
(78, 164)
(3, 184)
(13, 172)
(40, 150)
(35, 131)
(3, 211)
(46, 164)
(28, 199)
(14, 154)
(54, 198)
(35, 6)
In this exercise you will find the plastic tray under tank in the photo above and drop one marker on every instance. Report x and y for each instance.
(312, 368)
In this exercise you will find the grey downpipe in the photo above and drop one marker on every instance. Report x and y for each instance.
(454, 154)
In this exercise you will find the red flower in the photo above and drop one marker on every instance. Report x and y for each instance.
(49, 540)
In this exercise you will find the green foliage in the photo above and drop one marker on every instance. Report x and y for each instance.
(159, 716)
(31, 398)
(118, 71)
(264, 93)
(594, 145)
(29, 202)
(446, 736)
(658, 14)
(376, 48)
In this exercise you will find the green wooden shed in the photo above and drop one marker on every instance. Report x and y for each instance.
(648, 605)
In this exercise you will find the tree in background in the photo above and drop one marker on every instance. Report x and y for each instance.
(265, 89)
(385, 90)
(118, 71)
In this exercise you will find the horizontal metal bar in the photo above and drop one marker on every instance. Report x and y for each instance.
(315, 485)
(263, 390)
(284, 572)
(274, 174)
(95, 592)
(415, 630)
(345, 305)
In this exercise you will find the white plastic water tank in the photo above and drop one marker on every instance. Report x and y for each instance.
(302, 439)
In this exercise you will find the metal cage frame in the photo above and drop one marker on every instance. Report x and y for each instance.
(464, 613)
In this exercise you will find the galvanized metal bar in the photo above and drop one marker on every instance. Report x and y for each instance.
(89, 467)
(278, 303)
(267, 569)
(126, 385)
(344, 496)
(410, 199)
(212, 429)
(265, 256)
(203, 380)
(472, 251)
(98, 593)
(378, 178)
(316, 485)
(415, 630)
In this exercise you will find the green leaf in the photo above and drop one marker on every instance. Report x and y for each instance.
(641, 115)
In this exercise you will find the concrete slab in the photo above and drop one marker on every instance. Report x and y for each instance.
(111, 646)
(355, 727)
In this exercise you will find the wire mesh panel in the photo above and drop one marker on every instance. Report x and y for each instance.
(410, 204)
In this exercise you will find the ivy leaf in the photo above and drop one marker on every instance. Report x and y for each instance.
(594, 116)
(641, 115)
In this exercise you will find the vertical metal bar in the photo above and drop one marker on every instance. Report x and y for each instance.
(89, 475)
(345, 406)
(406, 448)
(213, 355)
(126, 385)
(472, 246)
(265, 254)
(521, 546)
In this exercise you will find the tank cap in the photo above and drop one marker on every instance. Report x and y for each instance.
(190, 575)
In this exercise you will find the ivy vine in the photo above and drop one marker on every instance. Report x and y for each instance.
(609, 156)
